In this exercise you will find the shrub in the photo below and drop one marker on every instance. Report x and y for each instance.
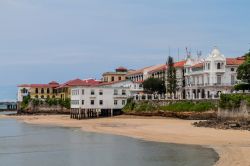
(233, 100)
(189, 107)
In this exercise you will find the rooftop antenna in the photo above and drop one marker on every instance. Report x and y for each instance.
(178, 53)
(199, 53)
(188, 53)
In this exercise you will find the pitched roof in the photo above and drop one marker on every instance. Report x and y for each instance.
(180, 63)
(235, 61)
(198, 65)
(79, 82)
(52, 84)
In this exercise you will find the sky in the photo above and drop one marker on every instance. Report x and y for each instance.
(61, 40)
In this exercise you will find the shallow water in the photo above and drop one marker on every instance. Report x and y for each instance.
(32, 145)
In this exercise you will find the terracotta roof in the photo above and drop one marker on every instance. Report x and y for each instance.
(52, 84)
(79, 82)
(139, 71)
(198, 65)
(180, 63)
(160, 68)
(121, 68)
(235, 61)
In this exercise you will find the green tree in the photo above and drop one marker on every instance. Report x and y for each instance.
(243, 71)
(171, 77)
(243, 74)
(154, 85)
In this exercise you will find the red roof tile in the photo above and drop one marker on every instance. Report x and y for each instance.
(52, 84)
(235, 61)
(180, 63)
(198, 65)
(79, 82)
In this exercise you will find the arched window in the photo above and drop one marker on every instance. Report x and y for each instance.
(48, 91)
(42, 97)
(36, 90)
(42, 90)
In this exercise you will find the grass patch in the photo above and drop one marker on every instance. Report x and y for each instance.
(189, 107)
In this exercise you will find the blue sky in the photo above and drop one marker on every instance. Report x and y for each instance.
(61, 39)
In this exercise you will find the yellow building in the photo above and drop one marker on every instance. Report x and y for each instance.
(117, 75)
(38, 91)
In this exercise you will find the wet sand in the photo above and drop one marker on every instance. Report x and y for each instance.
(233, 146)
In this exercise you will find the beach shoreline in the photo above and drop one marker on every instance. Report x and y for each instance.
(233, 146)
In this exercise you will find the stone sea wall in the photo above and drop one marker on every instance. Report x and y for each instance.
(44, 109)
(243, 112)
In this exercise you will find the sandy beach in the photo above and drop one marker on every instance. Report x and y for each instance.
(233, 146)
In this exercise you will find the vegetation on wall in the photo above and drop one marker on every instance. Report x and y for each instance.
(180, 106)
(49, 101)
(233, 100)
(187, 106)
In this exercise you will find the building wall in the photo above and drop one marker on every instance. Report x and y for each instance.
(81, 97)
(113, 77)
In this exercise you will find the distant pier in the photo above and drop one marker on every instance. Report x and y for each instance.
(8, 106)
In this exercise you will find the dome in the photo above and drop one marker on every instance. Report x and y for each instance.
(215, 55)
(215, 52)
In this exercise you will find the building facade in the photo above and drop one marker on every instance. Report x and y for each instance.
(99, 98)
(38, 91)
(209, 77)
(118, 75)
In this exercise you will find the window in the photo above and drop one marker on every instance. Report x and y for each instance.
(82, 91)
(218, 79)
(36, 90)
(112, 78)
(74, 102)
(115, 92)
(92, 92)
(101, 102)
(123, 102)
(53, 96)
(82, 102)
(42, 97)
(48, 97)
(42, 91)
(92, 102)
(115, 102)
(36, 96)
(218, 66)
(208, 66)
(123, 92)
(100, 92)
(120, 78)
(48, 91)
(232, 69)
(232, 79)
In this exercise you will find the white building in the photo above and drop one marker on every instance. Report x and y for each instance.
(209, 77)
(111, 97)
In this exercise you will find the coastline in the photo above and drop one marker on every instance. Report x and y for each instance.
(233, 146)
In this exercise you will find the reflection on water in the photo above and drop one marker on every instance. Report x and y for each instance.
(30, 145)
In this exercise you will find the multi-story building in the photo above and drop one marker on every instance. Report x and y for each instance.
(100, 97)
(39, 91)
(117, 75)
(159, 71)
(64, 90)
(209, 77)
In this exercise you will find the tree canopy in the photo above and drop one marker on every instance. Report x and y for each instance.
(243, 71)
(171, 77)
(154, 85)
